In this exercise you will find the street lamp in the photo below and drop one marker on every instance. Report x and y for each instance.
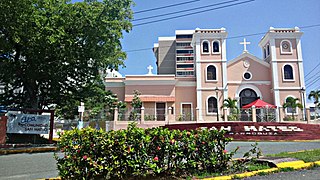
(217, 91)
(304, 103)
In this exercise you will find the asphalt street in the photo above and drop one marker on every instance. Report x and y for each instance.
(313, 174)
(43, 165)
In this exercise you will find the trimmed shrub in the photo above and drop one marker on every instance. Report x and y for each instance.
(138, 153)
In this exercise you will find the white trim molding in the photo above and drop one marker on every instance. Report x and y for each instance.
(191, 108)
(290, 46)
(219, 52)
(248, 86)
(248, 78)
(207, 105)
(206, 73)
(209, 49)
(293, 74)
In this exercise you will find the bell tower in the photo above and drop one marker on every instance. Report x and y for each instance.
(281, 48)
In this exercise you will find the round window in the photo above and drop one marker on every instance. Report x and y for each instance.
(247, 75)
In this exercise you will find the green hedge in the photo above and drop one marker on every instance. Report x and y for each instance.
(137, 153)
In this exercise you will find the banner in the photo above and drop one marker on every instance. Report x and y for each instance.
(28, 124)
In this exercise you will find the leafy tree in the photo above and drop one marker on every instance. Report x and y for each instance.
(292, 103)
(232, 105)
(136, 104)
(51, 50)
(315, 95)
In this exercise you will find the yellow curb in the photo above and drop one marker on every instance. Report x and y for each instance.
(219, 178)
(27, 150)
(300, 166)
(317, 163)
(56, 178)
(266, 170)
(290, 164)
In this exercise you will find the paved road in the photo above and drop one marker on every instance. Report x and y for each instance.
(43, 165)
(313, 174)
(27, 166)
(273, 147)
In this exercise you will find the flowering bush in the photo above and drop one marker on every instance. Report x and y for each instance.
(138, 153)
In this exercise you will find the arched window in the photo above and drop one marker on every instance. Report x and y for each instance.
(215, 47)
(290, 110)
(287, 72)
(211, 73)
(212, 105)
(205, 47)
(285, 47)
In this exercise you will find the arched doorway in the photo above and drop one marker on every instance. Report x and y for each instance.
(247, 96)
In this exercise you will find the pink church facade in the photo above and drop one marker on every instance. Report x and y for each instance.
(194, 76)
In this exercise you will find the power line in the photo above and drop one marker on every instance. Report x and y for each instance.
(192, 9)
(164, 7)
(310, 84)
(232, 37)
(313, 69)
(189, 14)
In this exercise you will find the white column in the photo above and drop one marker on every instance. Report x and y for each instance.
(300, 65)
(275, 75)
(224, 70)
(198, 76)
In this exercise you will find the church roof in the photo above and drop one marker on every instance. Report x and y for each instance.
(247, 54)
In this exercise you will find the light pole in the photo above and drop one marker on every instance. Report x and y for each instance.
(304, 103)
(217, 91)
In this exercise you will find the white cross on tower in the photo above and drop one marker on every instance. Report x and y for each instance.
(150, 69)
(244, 44)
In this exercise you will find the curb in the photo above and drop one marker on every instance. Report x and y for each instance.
(28, 150)
(293, 164)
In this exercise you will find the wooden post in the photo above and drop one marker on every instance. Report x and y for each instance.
(254, 114)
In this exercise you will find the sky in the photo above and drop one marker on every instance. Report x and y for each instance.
(253, 17)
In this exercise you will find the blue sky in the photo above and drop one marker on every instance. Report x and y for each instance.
(249, 18)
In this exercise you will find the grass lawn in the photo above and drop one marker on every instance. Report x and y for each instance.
(306, 156)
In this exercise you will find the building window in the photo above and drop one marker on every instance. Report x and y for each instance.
(212, 105)
(287, 72)
(268, 50)
(211, 73)
(205, 47)
(215, 47)
(285, 47)
(264, 53)
(247, 76)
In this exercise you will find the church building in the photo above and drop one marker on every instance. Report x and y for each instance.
(194, 76)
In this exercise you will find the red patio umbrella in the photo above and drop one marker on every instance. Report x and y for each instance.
(259, 104)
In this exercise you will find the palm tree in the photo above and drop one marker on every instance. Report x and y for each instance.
(292, 103)
(315, 95)
(232, 104)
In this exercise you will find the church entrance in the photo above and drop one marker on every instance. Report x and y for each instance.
(247, 96)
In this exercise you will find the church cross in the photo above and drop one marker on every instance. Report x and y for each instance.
(150, 69)
(244, 44)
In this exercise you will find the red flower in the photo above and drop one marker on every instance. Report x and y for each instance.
(203, 142)
(158, 148)
(85, 157)
(78, 151)
(156, 158)
(225, 151)
(172, 141)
